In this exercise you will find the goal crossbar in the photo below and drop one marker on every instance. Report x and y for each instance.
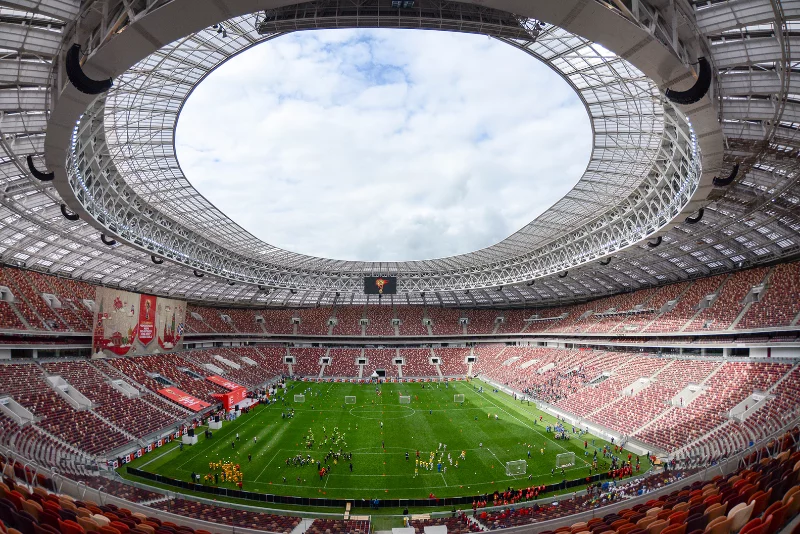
(404, 399)
(565, 459)
(349, 399)
(516, 468)
(458, 398)
(299, 398)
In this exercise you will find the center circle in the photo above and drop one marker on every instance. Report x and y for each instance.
(384, 144)
(382, 412)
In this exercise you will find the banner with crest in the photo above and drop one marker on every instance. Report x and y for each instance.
(129, 323)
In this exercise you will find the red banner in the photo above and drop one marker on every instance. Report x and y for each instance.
(147, 319)
(230, 399)
(184, 399)
(227, 384)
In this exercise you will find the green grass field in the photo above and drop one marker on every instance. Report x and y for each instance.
(380, 469)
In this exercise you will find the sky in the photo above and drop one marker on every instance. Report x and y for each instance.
(383, 145)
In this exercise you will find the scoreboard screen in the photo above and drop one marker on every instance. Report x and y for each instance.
(380, 285)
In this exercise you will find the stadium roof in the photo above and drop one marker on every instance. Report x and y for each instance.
(755, 220)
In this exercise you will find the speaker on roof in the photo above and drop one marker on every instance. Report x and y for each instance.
(723, 182)
(698, 90)
(563, 275)
(654, 244)
(78, 78)
(68, 215)
(231, 283)
(605, 261)
(695, 220)
(39, 175)
(198, 274)
(157, 261)
(109, 242)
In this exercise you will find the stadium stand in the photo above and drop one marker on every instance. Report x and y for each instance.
(211, 318)
(348, 320)
(380, 320)
(306, 361)
(445, 321)
(730, 302)
(481, 321)
(381, 359)
(780, 304)
(228, 516)
(314, 321)
(686, 308)
(411, 320)
(417, 362)
(338, 526)
(453, 361)
(278, 321)
(343, 363)
(130, 414)
(26, 384)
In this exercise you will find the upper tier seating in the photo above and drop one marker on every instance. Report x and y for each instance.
(380, 320)
(445, 321)
(780, 305)
(210, 317)
(411, 321)
(729, 303)
(481, 321)
(278, 321)
(243, 320)
(314, 321)
(348, 320)
(675, 319)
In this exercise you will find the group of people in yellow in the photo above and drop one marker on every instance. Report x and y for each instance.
(225, 471)
(439, 465)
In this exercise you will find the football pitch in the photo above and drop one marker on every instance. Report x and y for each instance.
(378, 431)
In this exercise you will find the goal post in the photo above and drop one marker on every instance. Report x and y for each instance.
(299, 398)
(349, 399)
(516, 468)
(458, 398)
(405, 399)
(565, 459)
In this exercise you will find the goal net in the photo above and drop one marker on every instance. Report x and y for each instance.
(299, 398)
(405, 400)
(516, 468)
(458, 398)
(349, 400)
(565, 459)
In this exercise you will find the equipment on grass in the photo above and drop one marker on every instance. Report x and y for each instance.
(405, 399)
(458, 398)
(299, 398)
(565, 459)
(349, 399)
(516, 468)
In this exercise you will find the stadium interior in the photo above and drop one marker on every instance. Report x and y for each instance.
(655, 307)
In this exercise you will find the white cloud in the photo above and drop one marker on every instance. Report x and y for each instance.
(383, 144)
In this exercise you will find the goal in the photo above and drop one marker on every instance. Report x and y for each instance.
(299, 398)
(458, 398)
(405, 399)
(349, 400)
(516, 468)
(565, 459)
